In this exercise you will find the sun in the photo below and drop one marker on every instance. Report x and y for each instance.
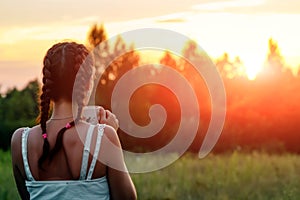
(253, 66)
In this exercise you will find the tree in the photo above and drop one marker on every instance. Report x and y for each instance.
(230, 69)
(18, 108)
(168, 60)
(275, 62)
(96, 35)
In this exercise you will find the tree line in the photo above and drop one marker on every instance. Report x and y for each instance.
(262, 114)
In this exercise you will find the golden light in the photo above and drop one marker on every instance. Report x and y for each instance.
(253, 65)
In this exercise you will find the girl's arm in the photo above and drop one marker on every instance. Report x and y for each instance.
(119, 180)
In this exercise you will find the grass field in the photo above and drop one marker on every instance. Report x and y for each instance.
(227, 176)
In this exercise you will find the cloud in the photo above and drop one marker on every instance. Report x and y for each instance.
(223, 5)
(35, 12)
(174, 20)
(74, 29)
(250, 7)
(43, 12)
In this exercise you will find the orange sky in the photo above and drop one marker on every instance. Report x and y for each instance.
(239, 27)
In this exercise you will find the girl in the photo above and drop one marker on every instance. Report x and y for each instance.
(60, 157)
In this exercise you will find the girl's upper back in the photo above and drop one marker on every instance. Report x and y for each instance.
(69, 175)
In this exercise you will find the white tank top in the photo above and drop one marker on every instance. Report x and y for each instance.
(84, 188)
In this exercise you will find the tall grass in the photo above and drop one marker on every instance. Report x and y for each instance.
(228, 176)
(217, 177)
(8, 190)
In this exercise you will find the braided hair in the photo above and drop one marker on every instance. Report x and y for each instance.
(67, 72)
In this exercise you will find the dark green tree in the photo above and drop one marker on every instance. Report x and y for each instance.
(17, 108)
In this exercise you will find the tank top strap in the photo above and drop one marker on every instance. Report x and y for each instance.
(24, 154)
(86, 152)
(96, 152)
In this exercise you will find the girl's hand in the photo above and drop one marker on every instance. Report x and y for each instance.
(107, 117)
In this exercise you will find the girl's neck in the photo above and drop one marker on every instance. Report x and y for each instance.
(62, 109)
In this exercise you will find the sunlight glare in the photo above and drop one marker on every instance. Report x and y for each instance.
(253, 66)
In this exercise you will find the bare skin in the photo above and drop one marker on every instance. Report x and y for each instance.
(67, 163)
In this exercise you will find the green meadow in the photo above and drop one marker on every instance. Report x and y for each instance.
(224, 176)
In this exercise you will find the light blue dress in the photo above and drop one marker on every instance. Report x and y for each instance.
(84, 188)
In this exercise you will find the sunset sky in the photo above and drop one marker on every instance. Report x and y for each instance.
(240, 27)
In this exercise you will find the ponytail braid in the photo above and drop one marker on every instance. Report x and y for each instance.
(59, 140)
(45, 106)
(85, 72)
